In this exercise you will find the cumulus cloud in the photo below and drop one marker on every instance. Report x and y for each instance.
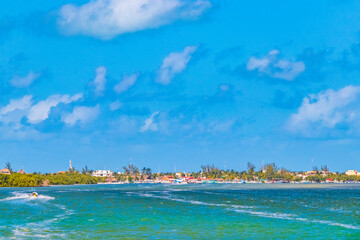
(105, 19)
(24, 81)
(173, 64)
(275, 67)
(81, 114)
(326, 109)
(126, 83)
(224, 87)
(40, 111)
(220, 126)
(99, 82)
(115, 105)
(20, 132)
(16, 109)
(149, 123)
(17, 104)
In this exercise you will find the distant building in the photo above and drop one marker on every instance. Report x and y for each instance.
(70, 167)
(168, 178)
(179, 174)
(21, 171)
(111, 179)
(351, 172)
(102, 173)
(311, 173)
(61, 172)
(5, 171)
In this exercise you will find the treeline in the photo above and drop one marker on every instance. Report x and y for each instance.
(267, 172)
(340, 177)
(271, 172)
(36, 180)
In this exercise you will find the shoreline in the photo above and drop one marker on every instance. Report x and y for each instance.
(198, 184)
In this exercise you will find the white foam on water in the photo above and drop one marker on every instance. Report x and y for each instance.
(43, 229)
(195, 202)
(26, 196)
(212, 193)
(265, 214)
(339, 210)
(245, 210)
(293, 217)
(330, 223)
(35, 233)
(242, 206)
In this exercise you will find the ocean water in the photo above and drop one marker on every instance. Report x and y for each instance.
(203, 211)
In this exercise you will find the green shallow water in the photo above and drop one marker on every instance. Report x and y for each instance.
(206, 211)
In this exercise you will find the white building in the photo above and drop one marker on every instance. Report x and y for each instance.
(351, 172)
(102, 173)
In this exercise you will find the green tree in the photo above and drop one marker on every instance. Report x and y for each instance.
(270, 169)
(8, 166)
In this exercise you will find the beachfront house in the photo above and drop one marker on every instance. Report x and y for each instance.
(102, 173)
(351, 173)
(311, 173)
(5, 171)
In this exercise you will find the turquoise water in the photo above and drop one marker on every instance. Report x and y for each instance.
(204, 211)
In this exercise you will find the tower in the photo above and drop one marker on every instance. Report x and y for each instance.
(70, 166)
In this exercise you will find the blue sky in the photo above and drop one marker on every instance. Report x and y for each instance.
(179, 83)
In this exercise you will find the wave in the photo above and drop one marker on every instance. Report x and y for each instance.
(266, 214)
(246, 210)
(26, 196)
(195, 202)
(42, 229)
(331, 223)
(35, 232)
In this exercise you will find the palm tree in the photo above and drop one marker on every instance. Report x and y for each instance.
(86, 170)
(146, 171)
(131, 169)
(8, 166)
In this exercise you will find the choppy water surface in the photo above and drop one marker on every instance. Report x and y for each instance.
(206, 211)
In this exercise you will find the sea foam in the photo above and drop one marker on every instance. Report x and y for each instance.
(26, 196)
(247, 210)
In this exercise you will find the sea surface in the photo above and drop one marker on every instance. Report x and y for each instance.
(201, 211)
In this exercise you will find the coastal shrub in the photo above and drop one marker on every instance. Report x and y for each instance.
(34, 180)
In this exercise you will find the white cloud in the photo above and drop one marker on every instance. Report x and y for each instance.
(99, 82)
(17, 104)
(81, 114)
(224, 87)
(115, 105)
(125, 126)
(274, 67)
(40, 111)
(149, 123)
(16, 110)
(126, 83)
(21, 133)
(105, 19)
(325, 109)
(220, 126)
(25, 81)
(173, 64)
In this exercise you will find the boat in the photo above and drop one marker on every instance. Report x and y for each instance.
(210, 181)
(34, 194)
(179, 181)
